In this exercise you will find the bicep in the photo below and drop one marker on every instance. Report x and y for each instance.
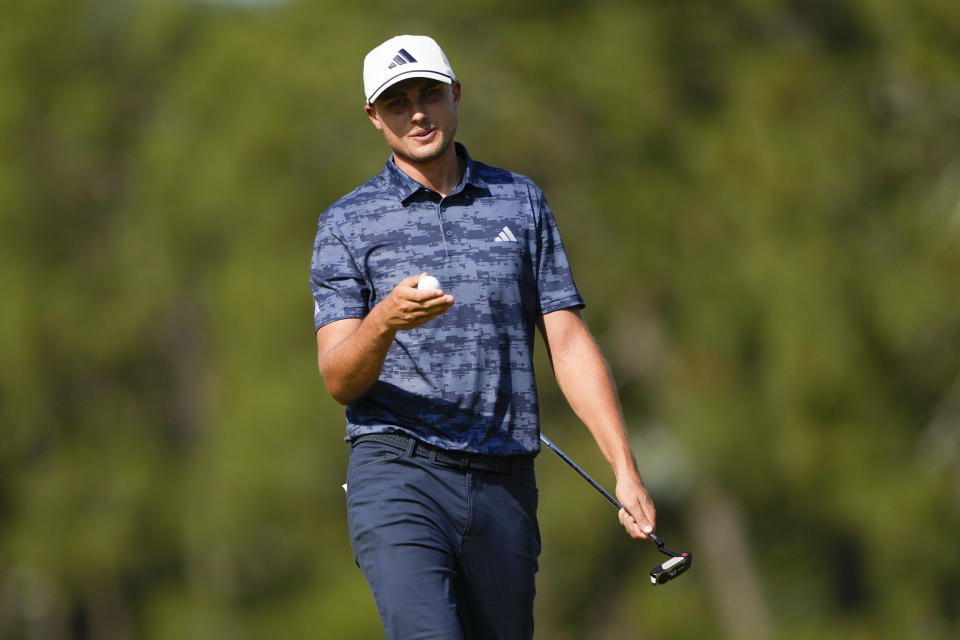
(562, 330)
(333, 333)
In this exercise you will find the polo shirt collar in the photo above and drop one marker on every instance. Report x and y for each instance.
(404, 187)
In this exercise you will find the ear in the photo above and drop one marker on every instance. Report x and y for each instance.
(374, 116)
(455, 87)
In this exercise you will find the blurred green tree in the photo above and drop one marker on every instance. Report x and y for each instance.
(772, 188)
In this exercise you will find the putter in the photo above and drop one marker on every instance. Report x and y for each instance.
(663, 572)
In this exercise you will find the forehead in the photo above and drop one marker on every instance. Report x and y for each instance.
(414, 85)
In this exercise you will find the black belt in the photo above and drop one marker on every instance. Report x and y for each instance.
(454, 459)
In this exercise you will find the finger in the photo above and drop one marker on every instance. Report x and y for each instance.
(631, 525)
(421, 295)
(411, 281)
(644, 525)
(432, 308)
(428, 314)
(645, 511)
(440, 300)
(643, 514)
(427, 309)
(643, 517)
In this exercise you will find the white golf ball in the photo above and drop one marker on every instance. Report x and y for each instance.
(428, 282)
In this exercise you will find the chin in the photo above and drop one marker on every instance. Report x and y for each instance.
(422, 155)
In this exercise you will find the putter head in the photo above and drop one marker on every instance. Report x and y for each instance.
(670, 569)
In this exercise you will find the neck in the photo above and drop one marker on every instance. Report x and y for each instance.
(441, 174)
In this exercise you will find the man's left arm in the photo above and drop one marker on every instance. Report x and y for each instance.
(586, 383)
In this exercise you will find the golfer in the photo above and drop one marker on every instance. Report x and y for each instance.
(441, 403)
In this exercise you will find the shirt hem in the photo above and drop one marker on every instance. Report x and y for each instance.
(564, 303)
(346, 315)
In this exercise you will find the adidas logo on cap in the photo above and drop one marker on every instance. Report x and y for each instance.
(403, 57)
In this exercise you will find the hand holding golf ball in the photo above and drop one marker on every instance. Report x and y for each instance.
(428, 283)
(415, 301)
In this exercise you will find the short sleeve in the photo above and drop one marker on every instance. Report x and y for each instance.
(339, 289)
(554, 275)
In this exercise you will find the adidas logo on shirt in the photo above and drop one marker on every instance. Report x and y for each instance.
(505, 236)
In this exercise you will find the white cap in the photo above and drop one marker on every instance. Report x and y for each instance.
(403, 57)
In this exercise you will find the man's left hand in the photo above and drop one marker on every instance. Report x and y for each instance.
(638, 515)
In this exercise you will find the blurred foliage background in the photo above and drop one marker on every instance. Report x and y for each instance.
(761, 199)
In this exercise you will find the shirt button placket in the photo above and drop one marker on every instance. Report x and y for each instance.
(444, 233)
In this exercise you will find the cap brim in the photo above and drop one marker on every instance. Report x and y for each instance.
(412, 73)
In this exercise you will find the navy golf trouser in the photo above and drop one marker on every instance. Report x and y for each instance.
(447, 553)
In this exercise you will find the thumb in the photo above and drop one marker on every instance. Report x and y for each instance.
(643, 521)
(645, 524)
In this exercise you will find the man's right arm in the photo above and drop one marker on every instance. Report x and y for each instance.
(351, 352)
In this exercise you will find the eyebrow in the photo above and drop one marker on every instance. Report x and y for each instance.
(392, 93)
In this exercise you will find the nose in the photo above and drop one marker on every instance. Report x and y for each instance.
(419, 113)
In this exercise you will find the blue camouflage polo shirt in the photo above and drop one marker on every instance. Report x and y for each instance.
(463, 381)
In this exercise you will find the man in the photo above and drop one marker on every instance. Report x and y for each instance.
(442, 414)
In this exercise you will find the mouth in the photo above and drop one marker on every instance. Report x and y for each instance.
(424, 135)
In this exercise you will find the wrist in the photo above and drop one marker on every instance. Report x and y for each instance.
(379, 319)
(626, 472)
(625, 466)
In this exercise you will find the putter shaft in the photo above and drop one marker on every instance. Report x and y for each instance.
(653, 537)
